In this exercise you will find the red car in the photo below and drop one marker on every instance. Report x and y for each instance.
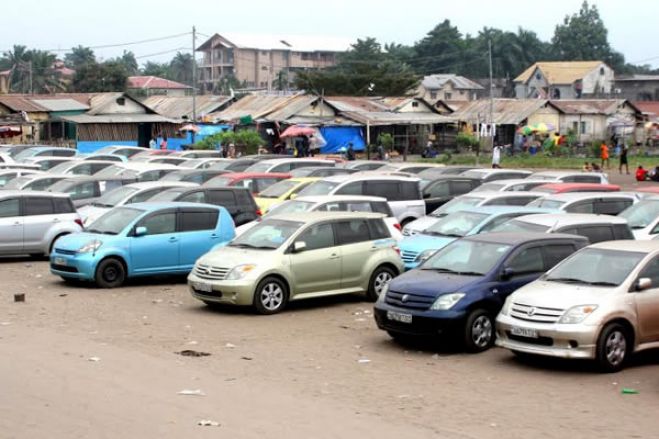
(560, 188)
(254, 181)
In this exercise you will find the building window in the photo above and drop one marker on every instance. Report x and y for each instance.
(584, 125)
(433, 95)
(602, 71)
(306, 56)
(575, 127)
(448, 96)
(121, 101)
(538, 76)
(415, 104)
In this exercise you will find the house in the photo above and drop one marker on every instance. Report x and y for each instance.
(650, 111)
(502, 88)
(181, 107)
(153, 85)
(258, 61)
(637, 87)
(31, 113)
(447, 87)
(565, 80)
(4, 81)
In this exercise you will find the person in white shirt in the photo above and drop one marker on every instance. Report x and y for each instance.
(496, 157)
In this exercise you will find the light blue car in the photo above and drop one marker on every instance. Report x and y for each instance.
(142, 239)
(470, 221)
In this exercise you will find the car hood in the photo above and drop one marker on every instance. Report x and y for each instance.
(419, 243)
(89, 213)
(231, 256)
(74, 241)
(431, 283)
(560, 295)
(266, 203)
(421, 224)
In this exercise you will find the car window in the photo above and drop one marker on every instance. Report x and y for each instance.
(194, 220)
(83, 190)
(350, 232)
(518, 201)
(440, 189)
(284, 167)
(262, 184)
(595, 233)
(460, 187)
(160, 223)
(246, 183)
(381, 207)
(378, 229)
(41, 185)
(63, 205)
(318, 236)
(149, 176)
(622, 231)
(583, 179)
(357, 206)
(331, 207)
(555, 253)
(527, 261)
(581, 207)
(9, 208)
(222, 198)
(497, 221)
(386, 189)
(194, 197)
(651, 270)
(143, 196)
(409, 190)
(354, 188)
(612, 207)
(82, 169)
(38, 206)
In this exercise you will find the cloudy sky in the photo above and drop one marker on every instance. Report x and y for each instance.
(60, 25)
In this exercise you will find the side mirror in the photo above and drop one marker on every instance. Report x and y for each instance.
(140, 231)
(299, 246)
(292, 196)
(507, 273)
(426, 195)
(643, 283)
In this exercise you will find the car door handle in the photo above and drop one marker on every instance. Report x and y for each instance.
(173, 239)
(334, 256)
(214, 236)
(55, 220)
(17, 223)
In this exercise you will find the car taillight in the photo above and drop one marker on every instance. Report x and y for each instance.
(78, 221)
(259, 212)
(398, 227)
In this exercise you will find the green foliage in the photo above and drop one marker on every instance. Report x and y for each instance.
(152, 68)
(538, 161)
(79, 56)
(386, 140)
(181, 68)
(464, 140)
(246, 141)
(100, 77)
(595, 150)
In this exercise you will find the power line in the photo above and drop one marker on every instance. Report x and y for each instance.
(108, 46)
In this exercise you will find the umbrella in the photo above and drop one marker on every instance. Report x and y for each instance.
(297, 130)
(10, 131)
(190, 127)
(543, 127)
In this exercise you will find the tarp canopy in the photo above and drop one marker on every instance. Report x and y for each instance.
(340, 137)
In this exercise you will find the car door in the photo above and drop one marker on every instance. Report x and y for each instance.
(318, 267)
(436, 194)
(197, 232)
(586, 206)
(158, 249)
(647, 303)
(11, 226)
(38, 217)
(354, 240)
(226, 199)
(82, 169)
(521, 267)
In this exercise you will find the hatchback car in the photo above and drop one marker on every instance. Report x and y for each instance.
(514, 184)
(43, 151)
(461, 288)
(31, 221)
(46, 163)
(602, 304)
(106, 158)
(443, 189)
(287, 164)
(7, 175)
(433, 173)
(282, 191)
(292, 257)
(570, 177)
(233, 165)
(587, 202)
(80, 167)
(321, 171)
(35, 182)
(487, 175)
(560, 188)
(643, 217)
(410, 168)
(202, 163)
(254, 181)
(85, 190)
(143, 239)
(198, 154)
(199, 176)
(363, 165)
(138, 171)
(124, 151)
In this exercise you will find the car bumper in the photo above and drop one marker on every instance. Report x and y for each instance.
(225, 292)
(80, 266)
(423, 323)
(410, 265)
(554, 340)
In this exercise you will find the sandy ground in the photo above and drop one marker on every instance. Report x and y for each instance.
(293, 375)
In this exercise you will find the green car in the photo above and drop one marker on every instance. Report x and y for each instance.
(299, 256)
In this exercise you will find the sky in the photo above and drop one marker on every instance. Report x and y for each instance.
(67, 23)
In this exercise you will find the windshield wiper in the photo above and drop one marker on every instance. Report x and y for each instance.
(256, 247)
(638, 227)
(567, 280)
(433, 233)
(97, 204)
(602, 284)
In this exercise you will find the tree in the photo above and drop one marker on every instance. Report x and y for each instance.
(127, 59)
(442, 50)
(79, 56)
(181, 68)
(152, 68)
(44, 77)
(104, 77)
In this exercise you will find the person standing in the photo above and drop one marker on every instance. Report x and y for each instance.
(305, 146)
(381, 152)
(496, 156)
(231, 153)
(163, 143)
(350, 155)
(604, 155)
(152, 143)
(623, 159)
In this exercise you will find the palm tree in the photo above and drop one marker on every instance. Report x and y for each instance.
(15, 58)
(44, 78)
(181, 68)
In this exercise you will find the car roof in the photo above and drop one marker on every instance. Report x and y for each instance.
(153, 184)
(645, 246)
(502, 194)
(52, 157)
(145, 166)
(244, 175)
(488, 171)
(414, 164)
(516, 238)
(363, 176)
(293, 159)
(564, 173)
(570, 219)
(157, 205)
(566, 186)
(501, 210)
(337, 198)
(46, 148)
(443, 177)
(512, 181)
(576, 196)
(18, 193)
(314, 216)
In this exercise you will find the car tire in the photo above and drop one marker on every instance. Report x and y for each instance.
(479, 331)
(405, 222)
(110, 273)
(270, 296)
(379, 279)
(613, 347)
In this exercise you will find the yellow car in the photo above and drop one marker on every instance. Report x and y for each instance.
(282, 191)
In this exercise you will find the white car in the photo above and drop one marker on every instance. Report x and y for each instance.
(138, 171)
(514, 184)
(570, 177)
(125, 151)
(608, 203)
(334, 203)
(288, 164)
(128, 194)
(486, 174)
(80, 167)
(643, 218)
(7, 175)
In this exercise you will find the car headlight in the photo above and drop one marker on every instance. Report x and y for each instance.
(91, 246)
(446, 301)
(240, 271)
(506, 307)
(577, 314)
(425, 254)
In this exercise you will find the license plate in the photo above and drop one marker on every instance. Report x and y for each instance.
(524, 332)
(60, 261)
(206, 288)
(399, 317)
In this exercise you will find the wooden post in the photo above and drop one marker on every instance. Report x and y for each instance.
(368, 140)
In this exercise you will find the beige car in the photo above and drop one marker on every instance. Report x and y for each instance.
(299, 256)
(601, 303)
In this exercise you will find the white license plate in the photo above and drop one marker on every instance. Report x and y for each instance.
(524, 332)
(60, 261)
(206, 288)
(399, 317)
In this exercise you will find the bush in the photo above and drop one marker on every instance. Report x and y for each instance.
(386, 140)
(595, 148)
(246, 141)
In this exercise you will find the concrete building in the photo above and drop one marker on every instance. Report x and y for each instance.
(153, 85)
(565, 80)
(637, 87)
(257, 61)
(448, 87)
(598, 119)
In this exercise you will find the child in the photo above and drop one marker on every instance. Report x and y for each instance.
(641, 174)
(595, 167)
(586, 167)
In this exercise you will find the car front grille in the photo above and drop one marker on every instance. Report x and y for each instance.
(61, 251)
(409, 256)
(209, 272)
(540, 341)
(536, 314)
(410, 301)
(64, 268)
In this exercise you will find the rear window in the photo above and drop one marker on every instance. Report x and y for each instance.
(353, 231)
(194, 220)
(63, 205)
(222, 198)
(321, 187)
(520, 226)
(546, 204)
(622, 231)
(596, 234)
(378, 229)
(38, 206)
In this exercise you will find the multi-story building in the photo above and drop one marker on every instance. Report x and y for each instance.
(257, 61)
(448, 87)
(565, 80)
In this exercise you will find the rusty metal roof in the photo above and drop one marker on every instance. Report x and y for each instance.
(591, 106)
(21, 103)
(178, 107)
(505, 111)
(256, 106)
(375, 118)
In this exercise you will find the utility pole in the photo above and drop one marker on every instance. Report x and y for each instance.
(31, 88)
(489, 44)
(194, 77)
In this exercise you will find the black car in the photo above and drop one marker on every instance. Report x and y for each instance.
(199, 176)
(320, 171)
(238, 201)
(443, 189)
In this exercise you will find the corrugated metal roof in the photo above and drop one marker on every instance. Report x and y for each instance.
(389, 118)
(117, 118)
(297, 43)
(356, 103)
(154, 82)
(505, 111)
(560, 72)
(291, 108)
(61, 104)
(649, 107)
(21, 103)
(589, 106)
(176, 107)
(256, 106)
(634, 78)
(435, 82)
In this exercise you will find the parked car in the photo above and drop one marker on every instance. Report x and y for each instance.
(233, 165)
(237, 201)
(128, 194)
(443, 189)
(167, 159)
(560, 188)
(282, 191)
(43, 151)
(643, 217)
(471, 221)
(143, 239)
(80, 167)
(138, 171)
(409, 167)
(287, 164)
(402, 193)
(469, 200)
(85, 190)
(609, 203)
(106, 158)
(34, 182)
(461, 288)
(46, 163)
(30, 222)
(14, 149)
(487, 175)
(434, 173)
(596, 228)
(292, 257)
(255, 182)
(204, 163)
(514, 184)
(571, 177)
(363, 165)
(148, 152)
(125, 151)
(321, 171)
(199, 176)
(7, 175)
(198, 154)
(599, 304)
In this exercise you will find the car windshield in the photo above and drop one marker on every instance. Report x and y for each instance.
(26, 153)
(467, 257)
(111, 171)
(115, 196)
(490, 187)
(17, 182)
(106, 150)
(518, 226)
(475, 173)
(257, 167)
(302, 172)
(291, 206)
(544, 189)
(113, 222)
(456, 225)
(61, 186)
(168, 195)
(641, 214)
(61, 168)
(546, 204)
(278, 189)
(192, 163)
(268, 235)
(321, 187)
(219, 182)
(456, 204)
(596, 266)
(176, 176)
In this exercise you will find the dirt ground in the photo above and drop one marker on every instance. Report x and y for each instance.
(86, 363)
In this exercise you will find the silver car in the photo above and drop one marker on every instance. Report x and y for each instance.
(30, 222)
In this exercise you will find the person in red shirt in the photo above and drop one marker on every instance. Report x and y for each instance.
(641, 174)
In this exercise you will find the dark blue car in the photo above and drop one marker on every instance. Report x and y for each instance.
(461, 288)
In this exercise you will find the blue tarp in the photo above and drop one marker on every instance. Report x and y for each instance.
(176, 143)
(338, 137)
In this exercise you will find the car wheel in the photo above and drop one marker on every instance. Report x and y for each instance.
(405, 222)
(379, 281)
(270, 296)
(613, 347)
(110, 273)
(479, 331)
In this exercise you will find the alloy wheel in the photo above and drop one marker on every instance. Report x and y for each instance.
(481, 331)
(272, 296)
(616, 348)
(381, 281)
